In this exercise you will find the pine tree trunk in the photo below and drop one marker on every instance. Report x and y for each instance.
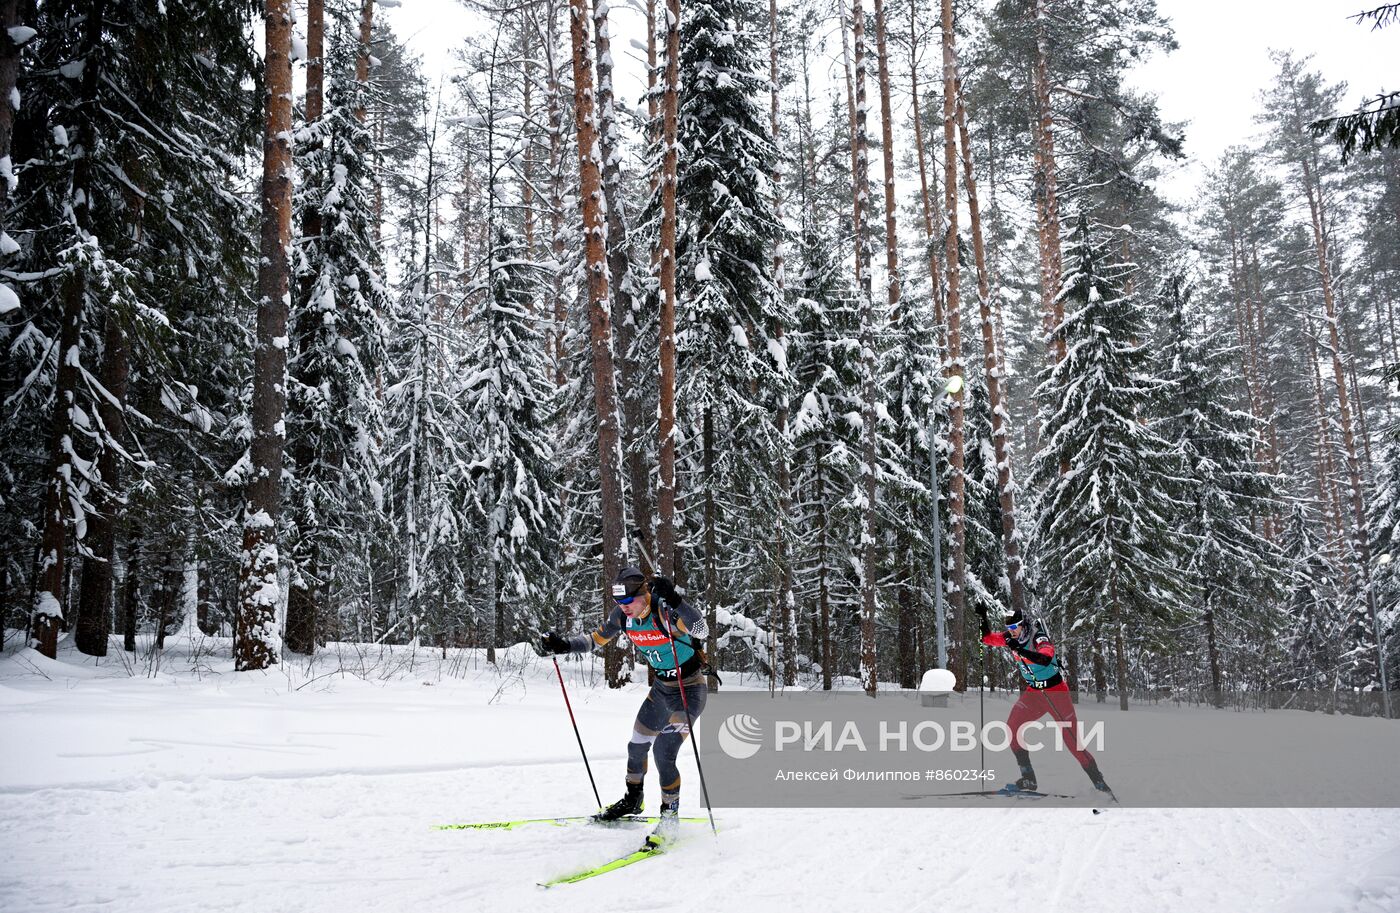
(315, 83)
(1395, 335)
(599, 320)
(1386, 350)
(652, 107)
(785, 621)
(1047, 179)
(1075, 671)
(1362, 425)
(493, 587)
(997, 315)
(869, 573)
(1268, 399)
(1329, 499)
(1248, 342)
(131, 597)
(256, 639)
(1120, 652)
(9, 77)
(957, 503)
(555, 114)
(204, 597)
(666, 425)
(993, 373)
(362, 55)
(908, 632)
(1100, 667)
(49, 591)
(1361, 540)
(823, 587)
(1217, 694)
(907, 629)
(378, 226)
(95, 588)
(887, 150)
(627, 303)
(169, 595)
(857, 217)
(4, 595)
(711, 520)
(48, 599)
(300, 625)
(935, 270)
(527, 164)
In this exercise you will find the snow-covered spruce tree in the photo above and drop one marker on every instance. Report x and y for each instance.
(1105, 482)
(132, 119)
(824, 353)
(1240, 221)
(1313, 658)
(1384, 525)
(1225, 495)
(1298, 97)
(335, 423)
(580, 531)
(433, 559)
(906, 380)
(988, 586)
(729, 366)
(512, 494)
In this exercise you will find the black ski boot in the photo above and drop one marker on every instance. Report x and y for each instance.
(668, 827)
(629, 804)
(1097, 778)
(1023, 760)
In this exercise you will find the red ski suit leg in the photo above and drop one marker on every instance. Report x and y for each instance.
(1035, 703)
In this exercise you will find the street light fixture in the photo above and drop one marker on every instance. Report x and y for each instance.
(952, 388)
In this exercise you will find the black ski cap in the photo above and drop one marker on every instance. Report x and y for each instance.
(630, 579)
(1013, 617)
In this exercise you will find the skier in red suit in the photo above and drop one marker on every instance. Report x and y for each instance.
(1044, 692)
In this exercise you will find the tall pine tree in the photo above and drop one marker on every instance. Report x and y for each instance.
(1106, 506)
(1225, 494)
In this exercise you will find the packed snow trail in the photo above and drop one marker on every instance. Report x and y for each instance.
(197, 788)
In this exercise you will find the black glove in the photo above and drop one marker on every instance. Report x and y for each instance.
(550, 643)
(1032, 655)
(665, 589)
(982, 621)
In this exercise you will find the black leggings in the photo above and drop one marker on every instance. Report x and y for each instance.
(661, 728)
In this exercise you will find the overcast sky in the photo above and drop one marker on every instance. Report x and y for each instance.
(1211, 82)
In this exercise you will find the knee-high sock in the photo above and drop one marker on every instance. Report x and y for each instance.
(637, 750)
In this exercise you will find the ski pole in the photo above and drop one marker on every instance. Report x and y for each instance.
(982, 710)
(982, 694)
(690, 725)
(570, 708)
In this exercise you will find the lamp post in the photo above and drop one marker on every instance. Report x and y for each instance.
(953, 387)
(1383, 561)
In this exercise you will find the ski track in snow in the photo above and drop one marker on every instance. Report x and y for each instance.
(241, 793)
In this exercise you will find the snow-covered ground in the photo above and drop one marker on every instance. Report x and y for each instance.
(127, 785)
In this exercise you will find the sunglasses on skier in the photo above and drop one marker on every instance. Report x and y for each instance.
(1014, 625)
(626, 592)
